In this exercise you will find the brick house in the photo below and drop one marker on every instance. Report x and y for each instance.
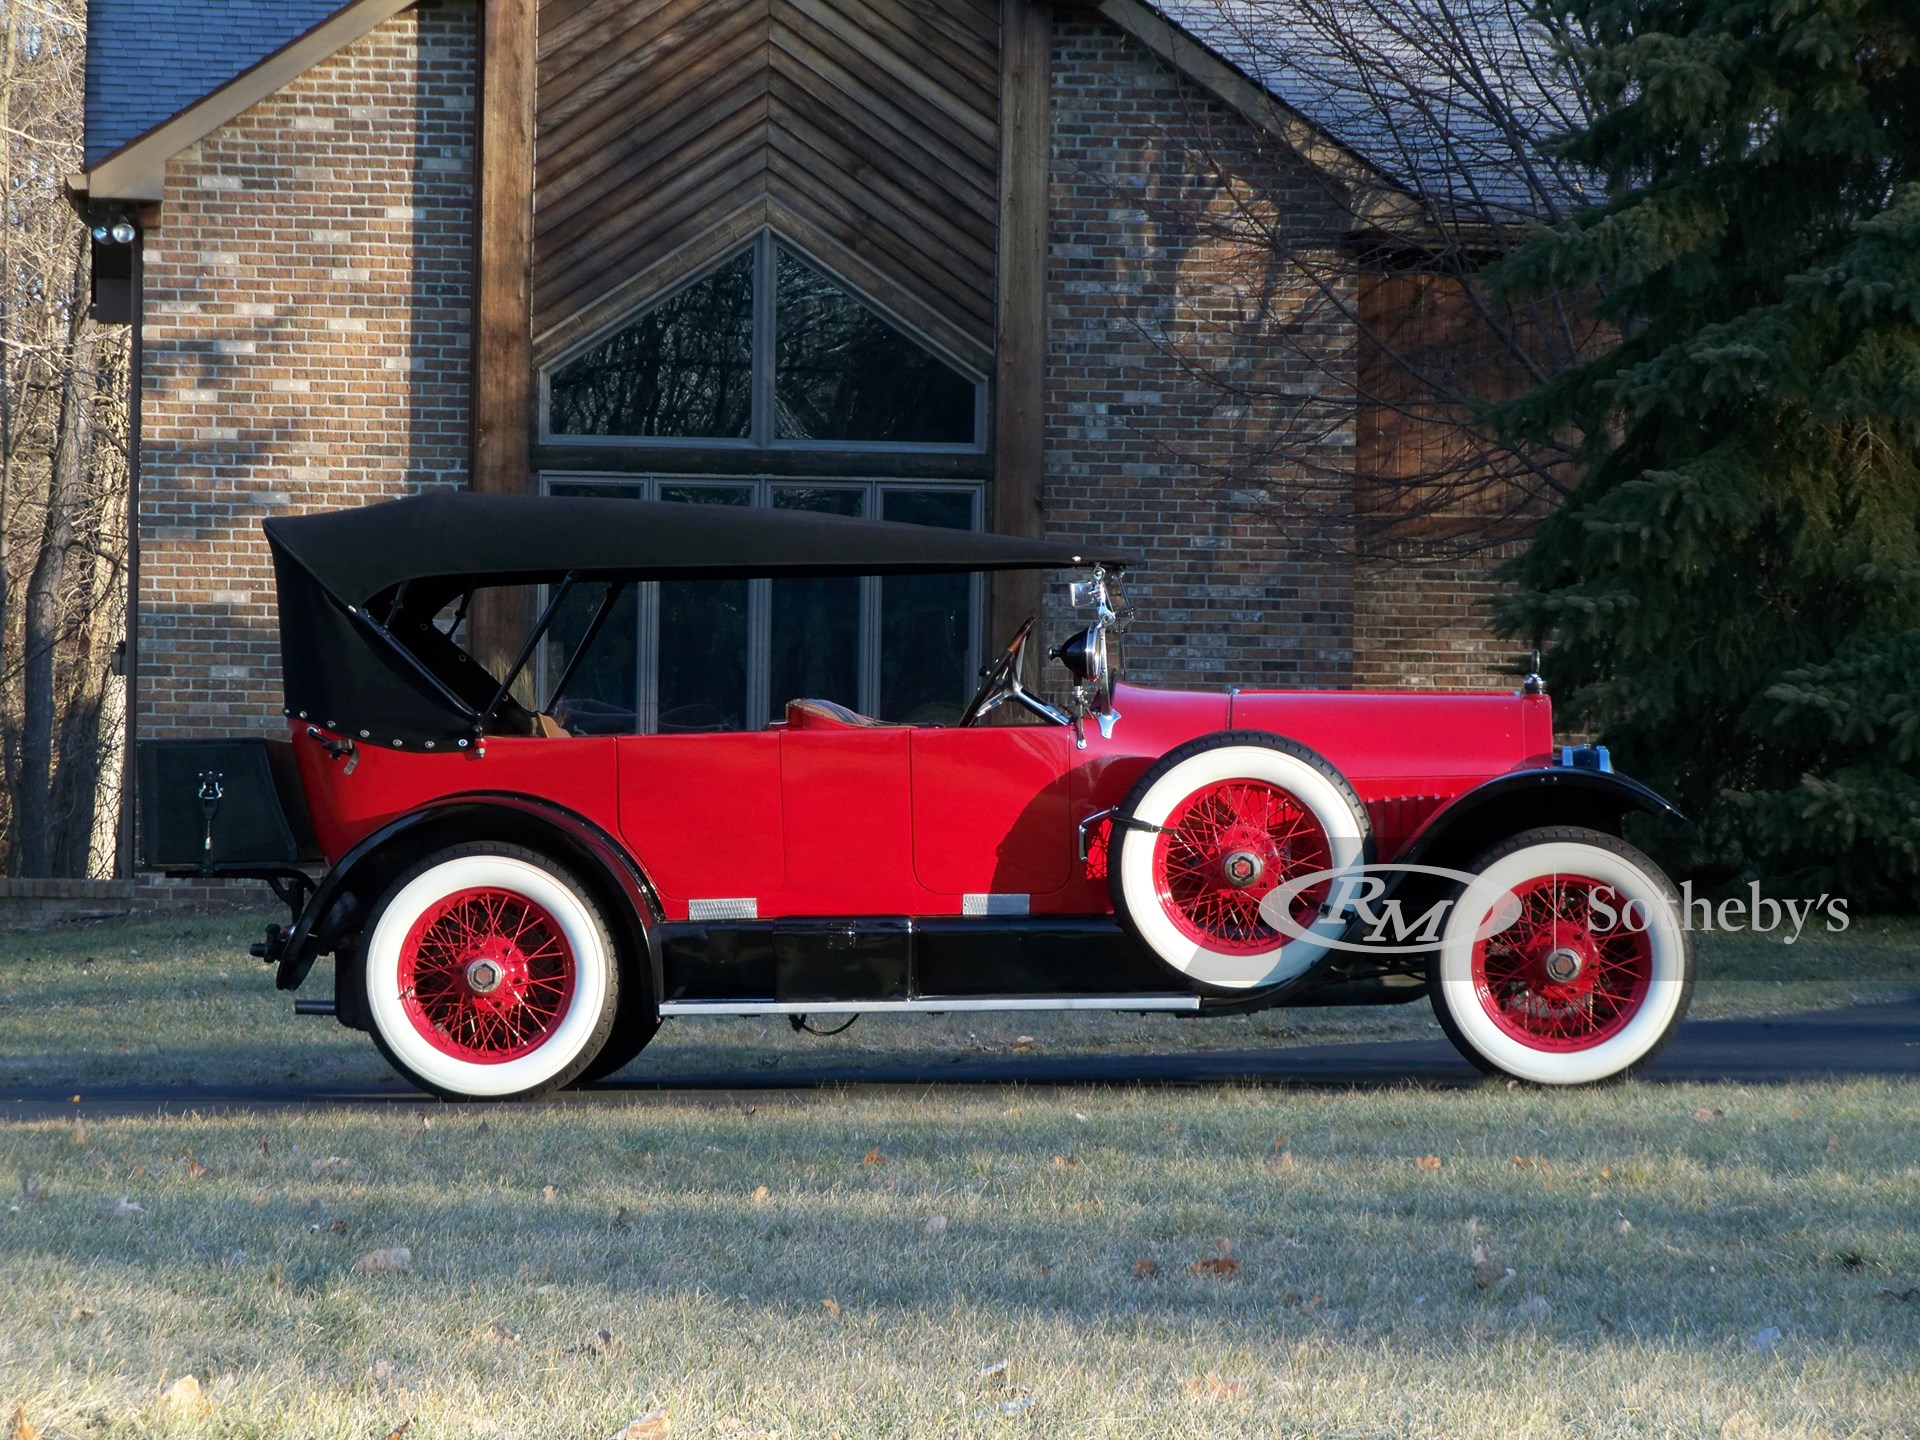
(912, 258)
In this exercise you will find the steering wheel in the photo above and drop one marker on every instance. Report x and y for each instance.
(995, 680)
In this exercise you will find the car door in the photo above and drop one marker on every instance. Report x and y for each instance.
(703, 815)
(991, 821)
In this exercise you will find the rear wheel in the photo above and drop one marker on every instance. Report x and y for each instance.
(1214, 837)
(1565, 961)
(489, 974)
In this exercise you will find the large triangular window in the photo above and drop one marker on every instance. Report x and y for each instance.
(766, 348)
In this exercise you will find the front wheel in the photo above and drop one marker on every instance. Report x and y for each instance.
(1565, 961)
(1214, 836)
(489, 974)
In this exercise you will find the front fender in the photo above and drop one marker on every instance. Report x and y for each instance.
(1525, 799)
(352, 885)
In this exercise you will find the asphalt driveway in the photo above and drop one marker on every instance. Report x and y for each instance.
(1879, 1040)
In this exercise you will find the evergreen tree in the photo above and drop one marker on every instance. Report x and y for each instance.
(1731, 597)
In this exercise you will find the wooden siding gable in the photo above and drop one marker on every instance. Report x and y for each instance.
(867, 130)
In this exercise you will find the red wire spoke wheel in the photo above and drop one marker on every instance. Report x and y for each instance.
(1207, 835)
(1557, 978)
(1565, 961)
(487, 975)
(1224, 849)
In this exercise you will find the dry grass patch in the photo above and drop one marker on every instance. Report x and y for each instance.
(860, 1263)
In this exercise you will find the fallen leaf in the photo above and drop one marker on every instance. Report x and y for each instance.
(183, 1397)
(22, 1427)
(1623, 1226)
(1280, 1163)
(1015, 1406)
(1431, 1162)
(1490, 1271)
(1215, 1386)
(936, 1225)
(328, 1165)
(650, 1426)
(1145, 1268)
(336, 1227)
(395, 1260)
(383, 1372)
(499, 1335)
(874, 1157)
(195, 1169)
(831, 1306)
(762, 1194)
(1061, 1162)
(1220, 1267)
(1293, 1301)
(546, 1193)
(30, 1188)
(398, 1431)
(623, 1218)
(127, 1210)
(1533, 1310)
(266, 1146)
(988, 1372)
(1706, 1113)
(601, 1342)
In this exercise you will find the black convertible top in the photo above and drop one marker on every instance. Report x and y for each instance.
(359, 589)
(450, 541)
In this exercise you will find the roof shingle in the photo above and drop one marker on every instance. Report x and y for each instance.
(146, 62)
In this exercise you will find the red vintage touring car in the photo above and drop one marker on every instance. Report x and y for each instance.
(518, 887)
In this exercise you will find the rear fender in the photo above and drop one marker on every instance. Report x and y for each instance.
(350, 889)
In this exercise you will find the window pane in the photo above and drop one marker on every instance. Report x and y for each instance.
(926, 621)
(703, 637)
(816, 623)
(685, 368)
(843, 373)
(600, 698)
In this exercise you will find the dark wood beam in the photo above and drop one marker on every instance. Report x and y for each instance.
(1020, 346)
(502, 380)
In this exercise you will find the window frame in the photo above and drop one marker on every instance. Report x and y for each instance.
(760, 592)
(760, 425)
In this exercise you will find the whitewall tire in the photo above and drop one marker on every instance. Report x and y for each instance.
(489, 974)
(1209, 833)
(1566, 961)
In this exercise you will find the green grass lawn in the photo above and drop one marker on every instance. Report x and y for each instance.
(1711, 1262)
(1706, 1261)
(179, 1000)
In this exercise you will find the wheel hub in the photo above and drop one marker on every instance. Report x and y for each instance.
(1242, 868)
(484, 976)
(1563, 965)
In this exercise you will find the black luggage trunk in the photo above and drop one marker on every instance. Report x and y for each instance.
(222, 807)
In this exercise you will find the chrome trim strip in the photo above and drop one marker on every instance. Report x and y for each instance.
(932, 1004)
(746, 908)
(997, 904)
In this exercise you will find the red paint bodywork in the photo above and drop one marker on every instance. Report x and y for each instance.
(819, 818)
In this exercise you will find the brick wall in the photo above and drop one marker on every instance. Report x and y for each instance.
(1164, 205)
(307, 308)
(1425, 624)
